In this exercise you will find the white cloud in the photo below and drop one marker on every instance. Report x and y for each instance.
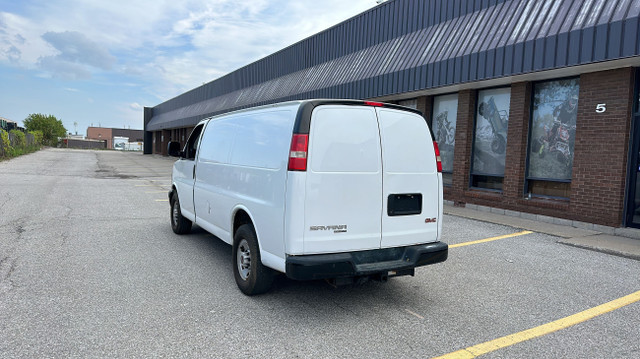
(167, 46)
(135, 106)
(76, 47)
(77, 55)
(64, 69)
(20, 41)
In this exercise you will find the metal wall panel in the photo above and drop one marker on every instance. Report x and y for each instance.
(411, 45)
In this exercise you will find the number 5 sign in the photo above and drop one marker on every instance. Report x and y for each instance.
(601, 107)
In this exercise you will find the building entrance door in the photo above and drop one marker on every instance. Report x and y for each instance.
(633, 194)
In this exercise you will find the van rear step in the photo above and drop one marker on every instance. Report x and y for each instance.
(392, 261)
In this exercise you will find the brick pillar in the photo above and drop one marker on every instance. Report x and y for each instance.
(602, 142)
(425, 105)
(464, 141)
(166, 135)
(158, 143)
(148, 135)
(517, 133)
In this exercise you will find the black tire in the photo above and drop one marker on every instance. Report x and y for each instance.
(251, 276)
(179, 224)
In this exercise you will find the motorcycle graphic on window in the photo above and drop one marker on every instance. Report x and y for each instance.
(557, 140)
(498, 119)
(445, 132)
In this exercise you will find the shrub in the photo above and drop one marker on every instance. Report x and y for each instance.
(5, 146)
(15, 144)
(19, 139)
(38, 137)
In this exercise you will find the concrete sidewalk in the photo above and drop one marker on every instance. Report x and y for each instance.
(624, 242)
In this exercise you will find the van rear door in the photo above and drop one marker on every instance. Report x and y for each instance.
(343, 186)
(411, 184)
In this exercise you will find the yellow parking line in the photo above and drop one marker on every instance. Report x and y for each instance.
(489, 239)
(162, 200)
(493, 345)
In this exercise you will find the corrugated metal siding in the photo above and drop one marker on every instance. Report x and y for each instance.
(408, 45)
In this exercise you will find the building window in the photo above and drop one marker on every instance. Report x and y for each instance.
(445, 111)
(552, 137)
(413, 103)
(490, 140)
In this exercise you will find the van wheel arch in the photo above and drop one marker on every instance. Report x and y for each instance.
(241, 217)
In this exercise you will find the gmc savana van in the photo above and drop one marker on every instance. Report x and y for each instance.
(341, 190)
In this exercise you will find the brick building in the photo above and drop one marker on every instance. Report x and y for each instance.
(103, 133)
(534, 103)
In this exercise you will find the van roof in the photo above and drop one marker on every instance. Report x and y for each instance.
(305, 107)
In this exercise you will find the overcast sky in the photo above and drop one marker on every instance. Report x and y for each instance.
(100, 62)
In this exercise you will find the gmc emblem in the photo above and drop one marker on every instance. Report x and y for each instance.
(430, 220)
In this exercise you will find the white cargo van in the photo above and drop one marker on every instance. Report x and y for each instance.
(319, 189)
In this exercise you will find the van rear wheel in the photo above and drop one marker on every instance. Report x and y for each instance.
(179, 224)
(251, 276)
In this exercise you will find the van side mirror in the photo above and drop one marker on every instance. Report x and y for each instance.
(174, 149)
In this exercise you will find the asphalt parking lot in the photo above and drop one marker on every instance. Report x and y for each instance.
(89, 267)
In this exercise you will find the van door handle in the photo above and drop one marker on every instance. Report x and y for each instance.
(194, 172)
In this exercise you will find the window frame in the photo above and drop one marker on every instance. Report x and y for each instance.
(186, 149)
(430, 122)
(526, 189)
(473, 143)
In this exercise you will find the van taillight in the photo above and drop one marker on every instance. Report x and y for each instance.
(298, 153)
(438, 160)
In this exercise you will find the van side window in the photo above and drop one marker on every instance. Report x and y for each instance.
(263, 140)
(191, 148)
(218, 137)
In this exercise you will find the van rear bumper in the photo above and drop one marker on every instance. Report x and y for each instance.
(363, 263)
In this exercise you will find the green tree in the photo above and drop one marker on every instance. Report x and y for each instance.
(49, 125)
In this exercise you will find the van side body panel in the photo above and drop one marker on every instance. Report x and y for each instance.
(182, 176)
(243, 165)
(295, 200)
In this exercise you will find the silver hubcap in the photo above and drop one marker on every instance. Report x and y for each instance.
(243, 258)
